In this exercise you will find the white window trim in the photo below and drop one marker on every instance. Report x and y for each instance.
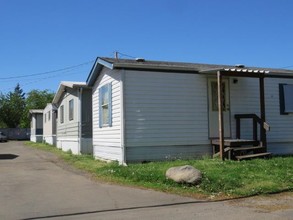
(109, 104)
(61, 114)
(71, 110)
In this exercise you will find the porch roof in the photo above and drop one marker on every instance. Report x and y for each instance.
(251, 72)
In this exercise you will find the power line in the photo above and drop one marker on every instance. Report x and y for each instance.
(56, 74)
(48, 72)
(41, 79)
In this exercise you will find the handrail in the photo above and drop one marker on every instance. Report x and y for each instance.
(266, 126)
(256, 120)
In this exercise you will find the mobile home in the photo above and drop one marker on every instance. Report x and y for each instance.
(49, 122)
(74, 117)
(155, 110)
(36, 116)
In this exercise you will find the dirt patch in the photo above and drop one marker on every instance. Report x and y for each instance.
(267, 203)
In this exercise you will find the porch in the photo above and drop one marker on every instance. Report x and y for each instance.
(240, 149)
(237, 147)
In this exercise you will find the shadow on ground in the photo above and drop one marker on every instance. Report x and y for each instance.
(8, 156)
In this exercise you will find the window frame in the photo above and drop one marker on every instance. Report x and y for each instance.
(214, 96)
(61, 114)
(284, 95)
(105, 93)
(71, 110)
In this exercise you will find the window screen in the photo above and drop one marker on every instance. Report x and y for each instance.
(286, 98)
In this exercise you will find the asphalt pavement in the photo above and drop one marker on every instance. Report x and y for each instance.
(36, 185)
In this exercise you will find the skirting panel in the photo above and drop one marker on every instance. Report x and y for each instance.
(161, 153)
(281, 148)
(50, 139)
(68, 145)
(36, 138)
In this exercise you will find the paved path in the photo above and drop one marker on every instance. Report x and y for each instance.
(35, 185)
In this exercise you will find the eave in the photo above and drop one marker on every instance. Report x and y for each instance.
(62, 88)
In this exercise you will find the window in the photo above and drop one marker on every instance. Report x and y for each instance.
(71, 110)
(105, 106)
(286, 98)
(49, 115)
(214, 88)
(62, 114)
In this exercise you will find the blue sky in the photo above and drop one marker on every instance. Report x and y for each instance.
(41, 36)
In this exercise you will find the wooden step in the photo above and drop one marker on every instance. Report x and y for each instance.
(236, 142)
(250, 156)
(226, 149)
(246, 148)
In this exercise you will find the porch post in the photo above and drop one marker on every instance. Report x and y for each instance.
(220, 108)
(262, 112)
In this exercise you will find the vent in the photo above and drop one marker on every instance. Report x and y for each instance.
(139, 59)
(240, 65)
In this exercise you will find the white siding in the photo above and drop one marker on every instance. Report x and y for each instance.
(245, 99)
(166, 115)
(48, 125)
(68, 131)
(280, 137)
(49, 130)
(33, 124)
(107, 140)
(68, 127)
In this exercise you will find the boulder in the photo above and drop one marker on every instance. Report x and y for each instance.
(184, 174)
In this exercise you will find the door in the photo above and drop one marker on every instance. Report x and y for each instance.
(213, 108)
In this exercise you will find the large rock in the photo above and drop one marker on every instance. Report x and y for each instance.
(184, 174)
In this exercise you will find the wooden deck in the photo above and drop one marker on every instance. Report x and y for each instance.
(240, 149)
(236, 142)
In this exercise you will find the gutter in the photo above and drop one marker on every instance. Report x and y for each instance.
(155, 68)
(80, 119)
(122, 115)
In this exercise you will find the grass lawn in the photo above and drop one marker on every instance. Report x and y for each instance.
(221, 179)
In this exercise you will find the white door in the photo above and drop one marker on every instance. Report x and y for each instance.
(213, 108)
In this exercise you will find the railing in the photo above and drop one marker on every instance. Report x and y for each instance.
(255, 120)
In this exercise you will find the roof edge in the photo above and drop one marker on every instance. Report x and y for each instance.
(96, 69)
(67, 84)
(163, 68)
(32, 111)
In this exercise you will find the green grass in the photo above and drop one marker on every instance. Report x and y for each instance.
(221, 179)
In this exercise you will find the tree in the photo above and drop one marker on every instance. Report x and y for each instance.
(36, 99)
(12, 107)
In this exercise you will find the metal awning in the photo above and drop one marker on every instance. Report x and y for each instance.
(238, 72)
(244, 70)
(249, 72)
